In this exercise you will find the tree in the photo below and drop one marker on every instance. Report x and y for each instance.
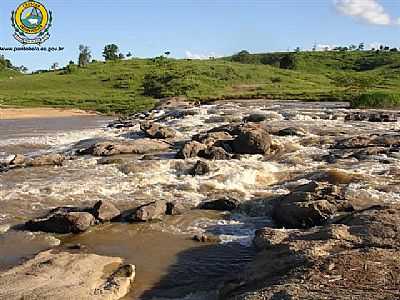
(54, 66)
(110, 52)
(121, 56)
(167, 53)
(298, 49)
(84, 56)
(352, 47)
(129, 54)
(361, 46)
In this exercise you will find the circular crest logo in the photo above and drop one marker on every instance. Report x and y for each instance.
(31, 21)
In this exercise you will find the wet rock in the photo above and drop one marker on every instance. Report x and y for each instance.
(209, 139)
(206, 238)
(371, 117)
(4, 228)
(174, 103)
(64, 275)
(215, 153)
(312, 204)
(255, 118)
(18, 160)
(157, 131)
(191, 149)
(105, 211)
(152, 211)
(329, 262)
(140, 146)
(176, 208)
(62, 220)
(135, 167)
(292, 131)
(222, 204)
(47, 160)
(252, 140)
(384, 140)
(201, 168)
(110, 161)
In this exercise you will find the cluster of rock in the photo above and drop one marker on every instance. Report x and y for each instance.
(65, 220)
(333, 248)
(21, 161)
(372, 116)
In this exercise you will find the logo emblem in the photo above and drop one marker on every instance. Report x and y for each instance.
(31, 21)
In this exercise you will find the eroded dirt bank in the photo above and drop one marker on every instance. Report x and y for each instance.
(231, 175)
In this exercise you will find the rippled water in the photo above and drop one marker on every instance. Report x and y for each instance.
(26, 193)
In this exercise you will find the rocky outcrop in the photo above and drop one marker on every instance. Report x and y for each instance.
(384, 140)
(371, 117)
(357, 256)
(65, 276)
(62, 220)
(309, 205)
(157, 131)
(292, 131)
(22, 161)
(140, 146)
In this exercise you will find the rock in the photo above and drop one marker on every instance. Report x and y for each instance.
(329, 262)
(203, 238)
(210, 138)
(223, 204)
(255, 118)
(191, 149)
(4, 228)
(110, 161)
(64, 276)
(105, 211)
(215, 153)
(371, 117)
(157, 131)
(152, 211)
(201, 168)
(292, 131)
(252, 140)
(384, 140)
(176, 208)
(18, 160)
(312, 204)
(139, 146)
(62, 220)
(135, 167)
(47, 160)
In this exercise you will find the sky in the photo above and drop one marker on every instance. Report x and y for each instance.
(204, 28)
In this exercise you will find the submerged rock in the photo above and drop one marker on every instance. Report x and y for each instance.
(292, 131)
(62, 220)
(65, 276)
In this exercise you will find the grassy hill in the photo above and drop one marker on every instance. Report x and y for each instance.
(131, 85)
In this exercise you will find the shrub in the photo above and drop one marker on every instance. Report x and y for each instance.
(376, 100)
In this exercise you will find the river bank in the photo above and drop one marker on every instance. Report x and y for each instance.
(195, 191)
(40, 112)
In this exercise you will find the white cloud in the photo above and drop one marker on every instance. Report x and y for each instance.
(190, 55)
(368, 10)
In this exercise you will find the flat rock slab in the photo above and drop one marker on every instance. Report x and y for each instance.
(62, 276)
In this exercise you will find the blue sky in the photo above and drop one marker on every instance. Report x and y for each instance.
(202, 28)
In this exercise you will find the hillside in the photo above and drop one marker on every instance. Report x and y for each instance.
(131, 85)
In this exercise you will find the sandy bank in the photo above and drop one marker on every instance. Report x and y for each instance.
(40, 112)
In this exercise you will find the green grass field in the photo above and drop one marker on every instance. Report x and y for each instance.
(131, 85)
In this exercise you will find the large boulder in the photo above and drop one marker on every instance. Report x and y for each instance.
(151, 211)
(210, 138)
(62, 220)
(47, 160)
(309, 205)
(252, 140)
(140, 146)
(64, 276)
(215, 153)
(157, 131)
(105, 211)
(191, 149)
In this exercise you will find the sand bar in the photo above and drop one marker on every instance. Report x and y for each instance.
(40, 112)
